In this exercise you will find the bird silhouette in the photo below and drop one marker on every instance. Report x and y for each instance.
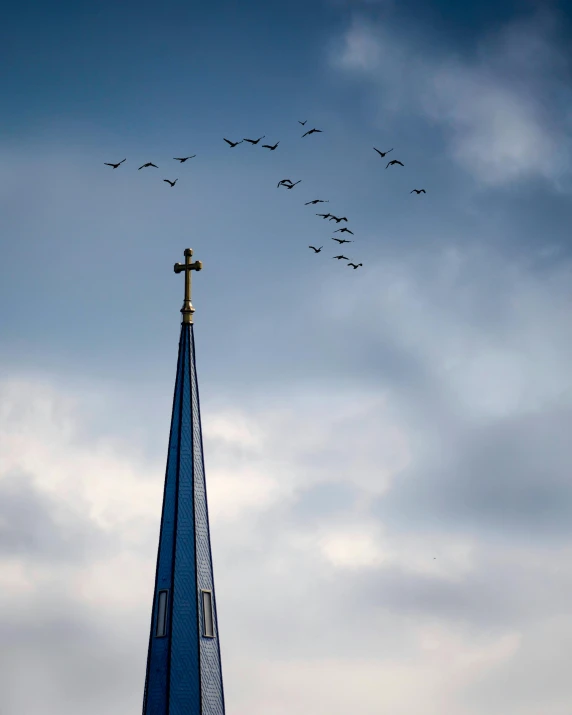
(284, 182)
(254, 141)
(383, 153)
(418, 191)
(184, 158)
(316, 250)
(302, 123)
(171, 182)
(292, 185)
(342, 240)
(147, 164)
(114, 165)
(324, 215)
(233, 144)
(272, 148)
(355, 265)
(340, 258)
(336, 219)
(344, 230)
(394, 162)
(312, 131)
(317, 201)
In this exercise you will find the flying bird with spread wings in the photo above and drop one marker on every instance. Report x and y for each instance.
(183, 159)
(317, 201)
(340, 258)
(324, 215)
(355, 265)
(288, 183)
(344, 230)
(115, 166)
(342, 240)
(233, 144)
(272, 148)
(383, 153)
(311, 131)
(171, 182)
(254, 141)
(316, 250)
(391, 163)
(418, 191)
(149, 163)
(336, 219)
(302, 123)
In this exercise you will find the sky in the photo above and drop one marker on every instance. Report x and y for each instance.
(386, 449)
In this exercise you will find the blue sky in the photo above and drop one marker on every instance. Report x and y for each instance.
(386, 449)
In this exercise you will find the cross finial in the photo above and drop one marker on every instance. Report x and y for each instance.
(187, 310)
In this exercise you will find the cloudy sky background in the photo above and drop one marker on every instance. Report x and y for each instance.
(387, 449)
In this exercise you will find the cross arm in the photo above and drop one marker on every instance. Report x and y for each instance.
(196, 266)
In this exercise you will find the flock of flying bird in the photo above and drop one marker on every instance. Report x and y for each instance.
(288, 184)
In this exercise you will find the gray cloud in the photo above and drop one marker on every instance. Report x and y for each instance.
(36, 526)
(502, 108)
(74, 659)
(325, 500)
(499, 594)
(509, 476)
(526, 683)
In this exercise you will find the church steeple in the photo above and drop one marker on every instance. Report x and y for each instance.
(184, 675)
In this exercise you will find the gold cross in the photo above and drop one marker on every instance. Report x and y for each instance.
(187, 310)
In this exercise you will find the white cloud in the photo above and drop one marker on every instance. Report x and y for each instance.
(255, 462)
(425, 681)
(356, 547)
(501, 111)
(38, 435)
(512, 340)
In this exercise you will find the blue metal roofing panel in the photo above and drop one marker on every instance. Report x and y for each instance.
(211, 674)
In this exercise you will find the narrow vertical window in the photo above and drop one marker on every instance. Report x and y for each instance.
(161, 614)
(208, 623)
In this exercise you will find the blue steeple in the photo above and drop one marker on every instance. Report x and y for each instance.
(184, 675)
